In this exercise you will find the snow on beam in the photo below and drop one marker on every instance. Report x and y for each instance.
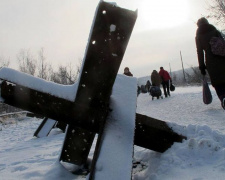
(67, 92)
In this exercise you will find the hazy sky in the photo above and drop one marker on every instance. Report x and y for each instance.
(61, 27)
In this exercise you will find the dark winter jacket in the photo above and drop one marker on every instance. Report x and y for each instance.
(155, 78)
(148, 84)
(164, 75)
(214, 64)
(128, 74)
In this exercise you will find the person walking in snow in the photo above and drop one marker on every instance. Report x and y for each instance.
(166, 80)
(155, 78)
(214, 64)
(148, 85)
(127, 72)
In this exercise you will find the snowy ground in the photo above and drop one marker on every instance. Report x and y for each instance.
(200, 157)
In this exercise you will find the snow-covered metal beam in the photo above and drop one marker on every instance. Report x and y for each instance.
(149, 133)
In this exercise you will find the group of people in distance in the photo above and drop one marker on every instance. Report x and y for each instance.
(157, 79)
(208, 59)
(163, 78)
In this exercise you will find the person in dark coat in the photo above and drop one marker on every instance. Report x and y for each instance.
(138, 90)
(155, 78)
(127, 72)
(214, 64)
(148, 85)
(166, 80)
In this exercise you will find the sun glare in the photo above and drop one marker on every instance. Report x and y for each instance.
(158, 14)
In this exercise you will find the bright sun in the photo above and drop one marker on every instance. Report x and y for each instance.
(158, 14)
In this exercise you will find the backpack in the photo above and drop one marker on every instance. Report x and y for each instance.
(217, 46)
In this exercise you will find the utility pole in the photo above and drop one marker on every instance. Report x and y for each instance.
(170, 69)
(182, 66)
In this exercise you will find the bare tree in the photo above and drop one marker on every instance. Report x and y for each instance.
(217, 11)
(73, 74)
(27, 62)
(60, 76)
(65, 74)
(4, 61)
(78, 69)
(42, 65)
(52, 75)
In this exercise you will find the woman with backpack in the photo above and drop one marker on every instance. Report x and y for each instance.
(214, 64)
(155, 78)
(155, 90)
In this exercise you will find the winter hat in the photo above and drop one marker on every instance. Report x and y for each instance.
(126, 68)
(202, 21)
